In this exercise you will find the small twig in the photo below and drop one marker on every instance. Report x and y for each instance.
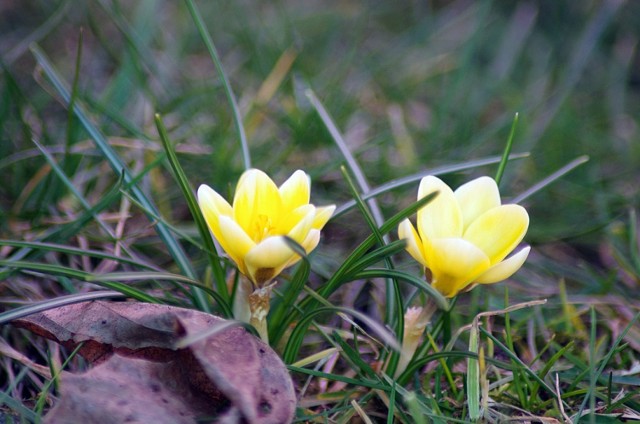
(561, 406)
(10, 352)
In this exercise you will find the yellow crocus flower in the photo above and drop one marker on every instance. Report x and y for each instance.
(463, 237)
(251, 230)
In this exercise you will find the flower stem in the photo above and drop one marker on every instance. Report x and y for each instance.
(446, 327)
(243, 290)
(259, 304)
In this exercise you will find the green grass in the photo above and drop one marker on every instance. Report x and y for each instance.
(110, 116)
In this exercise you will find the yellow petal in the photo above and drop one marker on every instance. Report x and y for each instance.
(477, 197)
(267, 259)
(414, 244)
(323, 214)
(210, 198)
(212, 205)
(235, 242)
(498, 231)
(304, 216)
(257, 205)
(441, 217)
(295, 191)
(312, 240)
(455, 263)
(291, 218)
(505, 269)
(310, 243)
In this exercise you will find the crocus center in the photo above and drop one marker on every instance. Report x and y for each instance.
(263, 227)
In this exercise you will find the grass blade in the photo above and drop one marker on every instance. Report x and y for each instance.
(79, 275)
(551, 178)
(519, 362)
(280, 310)
(194, 208)
(175, 249)
(85, 204)
(335, 377)
(299, 332)
(231, 98)
(70, 250)
(346, 154)
(410, 179)
(507, 150)
(24, 311)
(417, 282)
(68, 230)
(394, 308)
(473, 375)
(392, 223)
(612, 350)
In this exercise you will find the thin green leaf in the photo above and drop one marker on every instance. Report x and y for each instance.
(473, 375)
(129, 291)
(338, 276)
(43, 397)
(74, 95)
(336, 377)
(332, 284)
(419, 363)
(607, 358)
(16, 405)
(423, 409)
(410, 179)
(67, 182)
(139, 276)
(46, 305)
(296, 247)
(518, 361)
(80, 275)
(354, 358)
(392, 404)
(299, 332)
(419, 283)
(283, 309)
(551, 178)
(352, 164)
(548, 365)
(394, 308)
(231, 98)
(70, 250)
(634, 245)
(145, 276)
(194, 208)
(174, 248)
(507, 150)
(378, 255)
(66, 231)
(21, 47)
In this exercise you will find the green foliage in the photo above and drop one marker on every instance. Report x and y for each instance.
(105, 131)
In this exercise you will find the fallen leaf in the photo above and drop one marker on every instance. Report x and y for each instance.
(140, 376)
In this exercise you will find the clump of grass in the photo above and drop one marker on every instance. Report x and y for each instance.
(106, 132)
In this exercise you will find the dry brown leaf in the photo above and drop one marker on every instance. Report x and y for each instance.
(139, 376)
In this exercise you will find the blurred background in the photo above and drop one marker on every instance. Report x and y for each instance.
(413, 86)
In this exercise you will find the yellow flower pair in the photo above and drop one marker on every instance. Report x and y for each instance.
(462, 237)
